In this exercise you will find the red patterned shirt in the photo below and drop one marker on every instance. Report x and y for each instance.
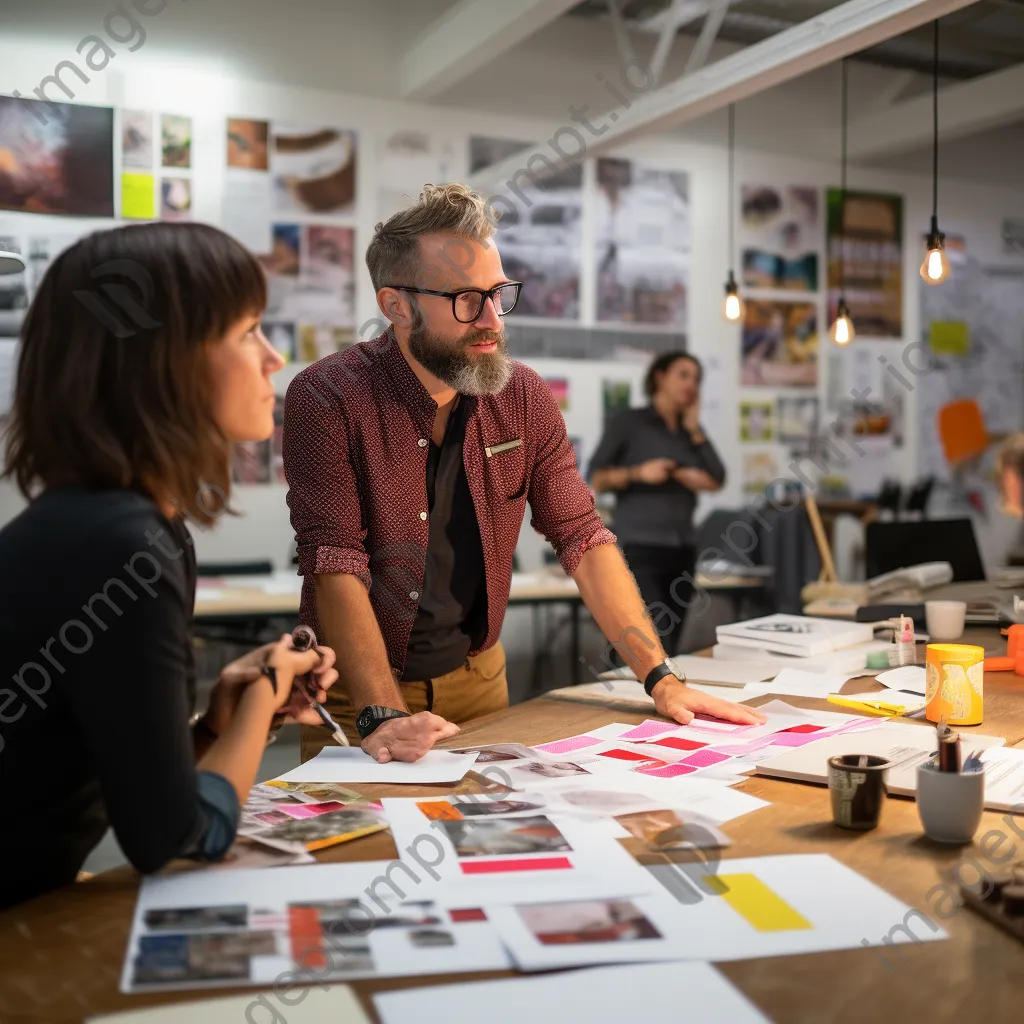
(357, 430)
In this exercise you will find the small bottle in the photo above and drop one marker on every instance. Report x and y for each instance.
(904, 644)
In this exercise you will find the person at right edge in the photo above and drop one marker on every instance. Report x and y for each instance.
(657, 459)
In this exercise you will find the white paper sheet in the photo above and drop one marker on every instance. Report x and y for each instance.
(609, 995)
(352, 764)
(335, 1005)
(826, 906)
(1004, 777)
(717, 670)
(246, 209)
(795, 682)
(381, 919)
(908, 677)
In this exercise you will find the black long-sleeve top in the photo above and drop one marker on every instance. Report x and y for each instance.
(97, 683)
(655, 514)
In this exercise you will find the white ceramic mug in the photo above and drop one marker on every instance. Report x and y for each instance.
(949, 803)
(945, 620)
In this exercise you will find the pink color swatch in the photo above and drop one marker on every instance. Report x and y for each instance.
(565, 746)
(794, 739)
(625, 755)
(310, 810)
(704, 758)
(647, 729)
(491, 867)
(678, 743)
(669, 771)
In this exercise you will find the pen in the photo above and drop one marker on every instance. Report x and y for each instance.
(304, 639)
(949, 747)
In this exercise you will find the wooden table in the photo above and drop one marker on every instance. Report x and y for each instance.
(61, 954)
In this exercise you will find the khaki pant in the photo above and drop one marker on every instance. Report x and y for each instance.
(470, 691)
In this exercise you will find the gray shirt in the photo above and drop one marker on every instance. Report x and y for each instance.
(657, 514)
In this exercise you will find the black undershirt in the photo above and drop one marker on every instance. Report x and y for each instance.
(452, 616)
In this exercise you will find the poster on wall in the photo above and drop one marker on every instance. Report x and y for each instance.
(779, 344)
(615, 397)
(798, 419)
(313, 169)
(759, 470)
(756, 421)
(406, 161)
(56, 158)
(865, 245)
(138, 196)
(780, 237)
(175, 198)
(559, 391)
(643, 244)
(247, 144)
(539, 232)
(137, 142)
(176, 141)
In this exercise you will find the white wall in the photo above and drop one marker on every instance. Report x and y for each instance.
(263, 530)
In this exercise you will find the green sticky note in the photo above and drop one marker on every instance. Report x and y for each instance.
(138, 197)
(950, 338)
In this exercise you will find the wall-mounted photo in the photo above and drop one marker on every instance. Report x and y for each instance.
(780, 344)
(780, 235)
(314, 169)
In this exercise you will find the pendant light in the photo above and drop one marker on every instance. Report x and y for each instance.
(732, 305)
(841, 332)
(935, 268)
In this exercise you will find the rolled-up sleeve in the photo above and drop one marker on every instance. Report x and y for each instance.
(710, 462)
(323, 494)
(562, 504)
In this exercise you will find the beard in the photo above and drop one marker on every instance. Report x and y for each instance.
(452, 361)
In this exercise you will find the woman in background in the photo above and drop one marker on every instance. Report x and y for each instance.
(142, 361)
(657, 459)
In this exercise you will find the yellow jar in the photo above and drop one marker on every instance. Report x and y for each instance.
(955, 680)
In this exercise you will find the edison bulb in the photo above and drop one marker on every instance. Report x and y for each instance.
(841, 332)
(732, 308)
(935, 268)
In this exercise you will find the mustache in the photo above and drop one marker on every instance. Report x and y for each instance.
(478, 336)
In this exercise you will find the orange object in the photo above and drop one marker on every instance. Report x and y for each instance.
(954, 683)
(1006, 664)
(1018, 666)
(1014, 636)
(962, 430)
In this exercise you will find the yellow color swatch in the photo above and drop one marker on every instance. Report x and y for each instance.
(764, 909)
(138, 197)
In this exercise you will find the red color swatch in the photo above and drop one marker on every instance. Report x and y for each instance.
(678, 743)
(491, 867)
(306, 937)
(470, 914)
(803, 728)
(626, 755)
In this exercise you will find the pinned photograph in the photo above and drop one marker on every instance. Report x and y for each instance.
(756, 421)
(314, 169)
(780, 344)
(176, 141)
(798, 419)
(281, 335)
(176, 198)
(495, 836)
(247, 143)
(137, 141)
(780, 237)
(559, 391)
(561, 924)
(328, 262)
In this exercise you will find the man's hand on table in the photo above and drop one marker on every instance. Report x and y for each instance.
(674, 699)
(408, 739)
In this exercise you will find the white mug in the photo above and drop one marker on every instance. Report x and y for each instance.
(949, 803)
(945, 620)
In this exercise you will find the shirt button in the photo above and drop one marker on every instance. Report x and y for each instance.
(414, 595)
(423, 515)
(422, 442)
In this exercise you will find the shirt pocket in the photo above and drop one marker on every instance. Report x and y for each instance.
(507, 470)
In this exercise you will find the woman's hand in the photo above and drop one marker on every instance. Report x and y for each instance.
(674, 699)
(691, 417)
(238, 674)
(653, 471)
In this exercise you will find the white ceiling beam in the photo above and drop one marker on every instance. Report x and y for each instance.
(679, 13)
(964, 109)
(708, 34)
(824, 39)
(467, 37)
(622, 40)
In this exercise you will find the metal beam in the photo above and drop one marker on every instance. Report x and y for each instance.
(821, 40)
(964, 109)
(469, 36)
(708, 34)
(622, 40)
(681, 12)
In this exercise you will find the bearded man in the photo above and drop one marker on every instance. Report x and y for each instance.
(410, 460)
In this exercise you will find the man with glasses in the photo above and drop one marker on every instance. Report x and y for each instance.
(410, 460)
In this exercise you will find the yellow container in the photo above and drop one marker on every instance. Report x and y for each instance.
(955, 680)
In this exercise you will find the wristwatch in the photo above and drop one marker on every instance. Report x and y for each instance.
(659, 672)
(374, 715)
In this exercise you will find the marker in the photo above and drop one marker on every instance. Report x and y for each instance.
(304, 639)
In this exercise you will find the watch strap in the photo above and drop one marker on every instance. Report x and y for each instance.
(659, 672)
(375, 715)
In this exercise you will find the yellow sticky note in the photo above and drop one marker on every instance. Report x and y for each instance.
(764, 909)
(950, 338)
(138, 196)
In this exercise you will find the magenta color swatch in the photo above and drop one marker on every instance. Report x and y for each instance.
(491, 867)
(645, 730)
(806, 727)
(669, 771)
(565, 746)
(625, 755)
(310, 810)
(704, 758)
(678, 743)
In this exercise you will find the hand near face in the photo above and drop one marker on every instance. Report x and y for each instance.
(691, 418)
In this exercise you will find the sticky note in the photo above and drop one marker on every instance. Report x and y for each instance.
(138, 196)
(763, 908)
(950, 338)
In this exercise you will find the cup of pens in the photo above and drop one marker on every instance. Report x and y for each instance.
(950, 795)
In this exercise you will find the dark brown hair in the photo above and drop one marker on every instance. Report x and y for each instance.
(662, 363)
(114, 386)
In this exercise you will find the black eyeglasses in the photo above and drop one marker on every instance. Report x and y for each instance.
(468, 304)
